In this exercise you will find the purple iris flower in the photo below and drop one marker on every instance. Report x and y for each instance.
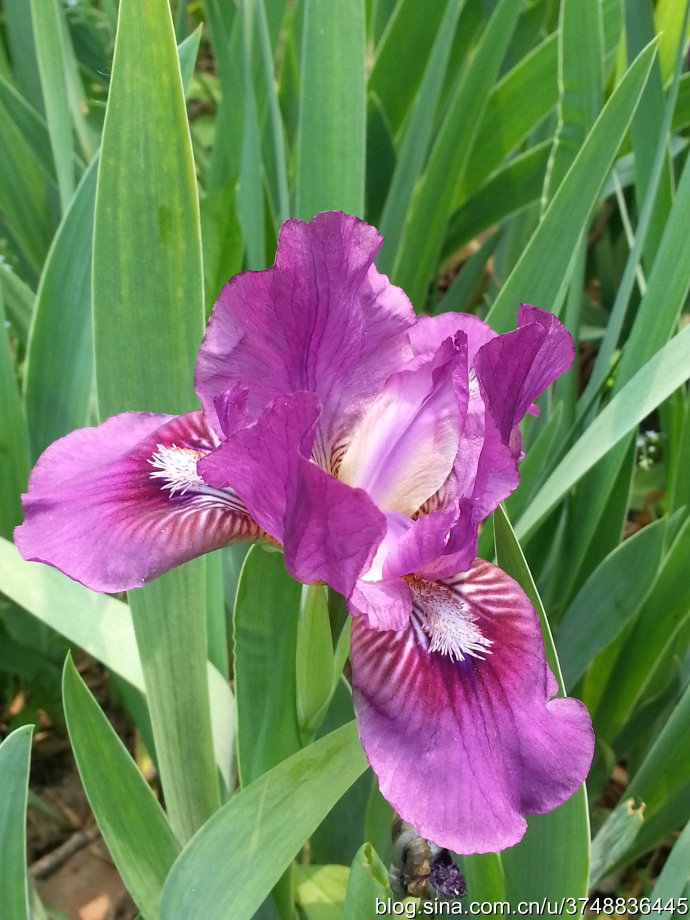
(369, 443)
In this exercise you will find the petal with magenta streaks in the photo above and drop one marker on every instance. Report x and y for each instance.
(115, 506)
(322, 319)
(464, 749)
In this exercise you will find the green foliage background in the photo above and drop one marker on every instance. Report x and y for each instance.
(509, 150)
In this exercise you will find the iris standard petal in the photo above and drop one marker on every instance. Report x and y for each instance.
(429, 332)
(329, 530)
(465, 744)
(508, 373)
(513, 369)
(115, 506)
(405, 445)
(322, 319)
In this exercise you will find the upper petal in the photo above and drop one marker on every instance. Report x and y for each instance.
(115, 506)
(508, 373)
(329, 530)
(404, 446)
(322, 319)
(464, 749)
(429, 332)
(513, 369)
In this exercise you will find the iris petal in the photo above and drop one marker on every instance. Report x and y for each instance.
(322, 319)
(513, 369)
(329, 530)
(429, 332)
(508, 373)
(115, 506)
(464, 749)
(404, 447)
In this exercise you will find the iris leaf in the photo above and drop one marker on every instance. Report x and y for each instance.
(250, 192)
(507, 122)
(648, 129)
(484, 876)
(61, 341)
(132, 822)
(650, 386)
(259, 831)
(543, 266)
(512, 187)
(19, 302)
(46, 25)
(98, 623)
(422, 243)
(102, 626)
(148, 322)
(15, 752)
(668, 17)
(321, 892)
(27, 191)
(580, 81)
(674, 880)
(368, 880)
(17, 15)
(416, 140)
(661, 777)
(331, 163)
(265, 663)
(410, 33)
(664, 611)
(609, 599)
(14, 459)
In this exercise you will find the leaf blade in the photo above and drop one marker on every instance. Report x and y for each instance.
(129, 816)
(15, 752)
(296, 795)
(331, 164)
